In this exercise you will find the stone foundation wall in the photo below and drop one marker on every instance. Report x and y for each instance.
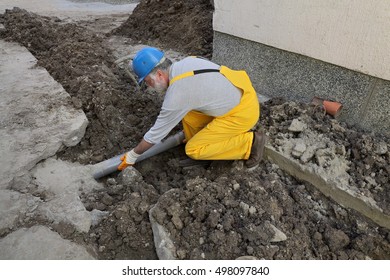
(279, 73)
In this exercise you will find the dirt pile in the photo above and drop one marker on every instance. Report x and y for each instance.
(182, 25)
(225, 212)
(126, 233)
(235, 213)
(219, 212)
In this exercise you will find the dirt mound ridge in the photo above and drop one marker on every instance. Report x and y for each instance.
(180, 25)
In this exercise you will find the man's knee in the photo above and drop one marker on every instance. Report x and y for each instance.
(192, 151)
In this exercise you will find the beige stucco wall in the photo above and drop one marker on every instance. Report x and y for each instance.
(354, 34)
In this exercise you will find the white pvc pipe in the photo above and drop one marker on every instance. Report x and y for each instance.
(109, 166)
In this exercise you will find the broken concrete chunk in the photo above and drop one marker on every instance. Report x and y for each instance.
(67, 208)
(370, 181)
(298, 150)
(336, 239)
(129, 176)
(308, 154)
(381, 148)
(279, 235)
(323, 157)
(245, 208)
(247, 258)
(252, 210)
(97, 216)
(236, 186)
(337, 127)
(297, 126)
(277, 113)
(165, 248)
(340, 150)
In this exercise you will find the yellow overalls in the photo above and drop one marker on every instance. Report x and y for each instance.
(226, 137)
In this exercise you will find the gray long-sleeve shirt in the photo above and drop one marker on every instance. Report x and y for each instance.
(209, 93)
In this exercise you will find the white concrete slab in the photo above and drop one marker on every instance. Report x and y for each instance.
(40, 243)
(36, 115)
(58, 177)
(15, 206)
(36, 119)
(62, 182)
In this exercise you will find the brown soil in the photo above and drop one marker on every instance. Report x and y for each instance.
(184, 26)
(216, 212)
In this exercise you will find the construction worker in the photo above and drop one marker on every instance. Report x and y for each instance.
(217, 106)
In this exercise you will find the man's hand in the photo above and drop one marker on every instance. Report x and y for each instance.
(128, 159)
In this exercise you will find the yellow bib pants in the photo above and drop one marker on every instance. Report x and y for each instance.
(226, 137)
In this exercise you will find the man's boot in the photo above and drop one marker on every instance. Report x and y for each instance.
(257, 150)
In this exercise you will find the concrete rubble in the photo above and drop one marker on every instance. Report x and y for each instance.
(327, 172)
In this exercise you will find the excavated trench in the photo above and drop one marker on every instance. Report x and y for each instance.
(216, 212)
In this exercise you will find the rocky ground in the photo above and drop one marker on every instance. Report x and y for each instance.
(221, 211)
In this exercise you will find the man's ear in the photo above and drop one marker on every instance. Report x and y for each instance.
(163, 75)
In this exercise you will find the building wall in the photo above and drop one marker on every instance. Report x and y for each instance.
(287, 69)
(354, 34)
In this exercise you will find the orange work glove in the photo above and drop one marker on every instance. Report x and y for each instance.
(128, 159)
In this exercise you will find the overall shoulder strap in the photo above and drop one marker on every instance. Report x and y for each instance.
(191, 73)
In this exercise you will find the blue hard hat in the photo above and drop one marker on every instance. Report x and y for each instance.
(145, 60)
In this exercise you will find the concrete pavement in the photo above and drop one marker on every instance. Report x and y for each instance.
(36, 121)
